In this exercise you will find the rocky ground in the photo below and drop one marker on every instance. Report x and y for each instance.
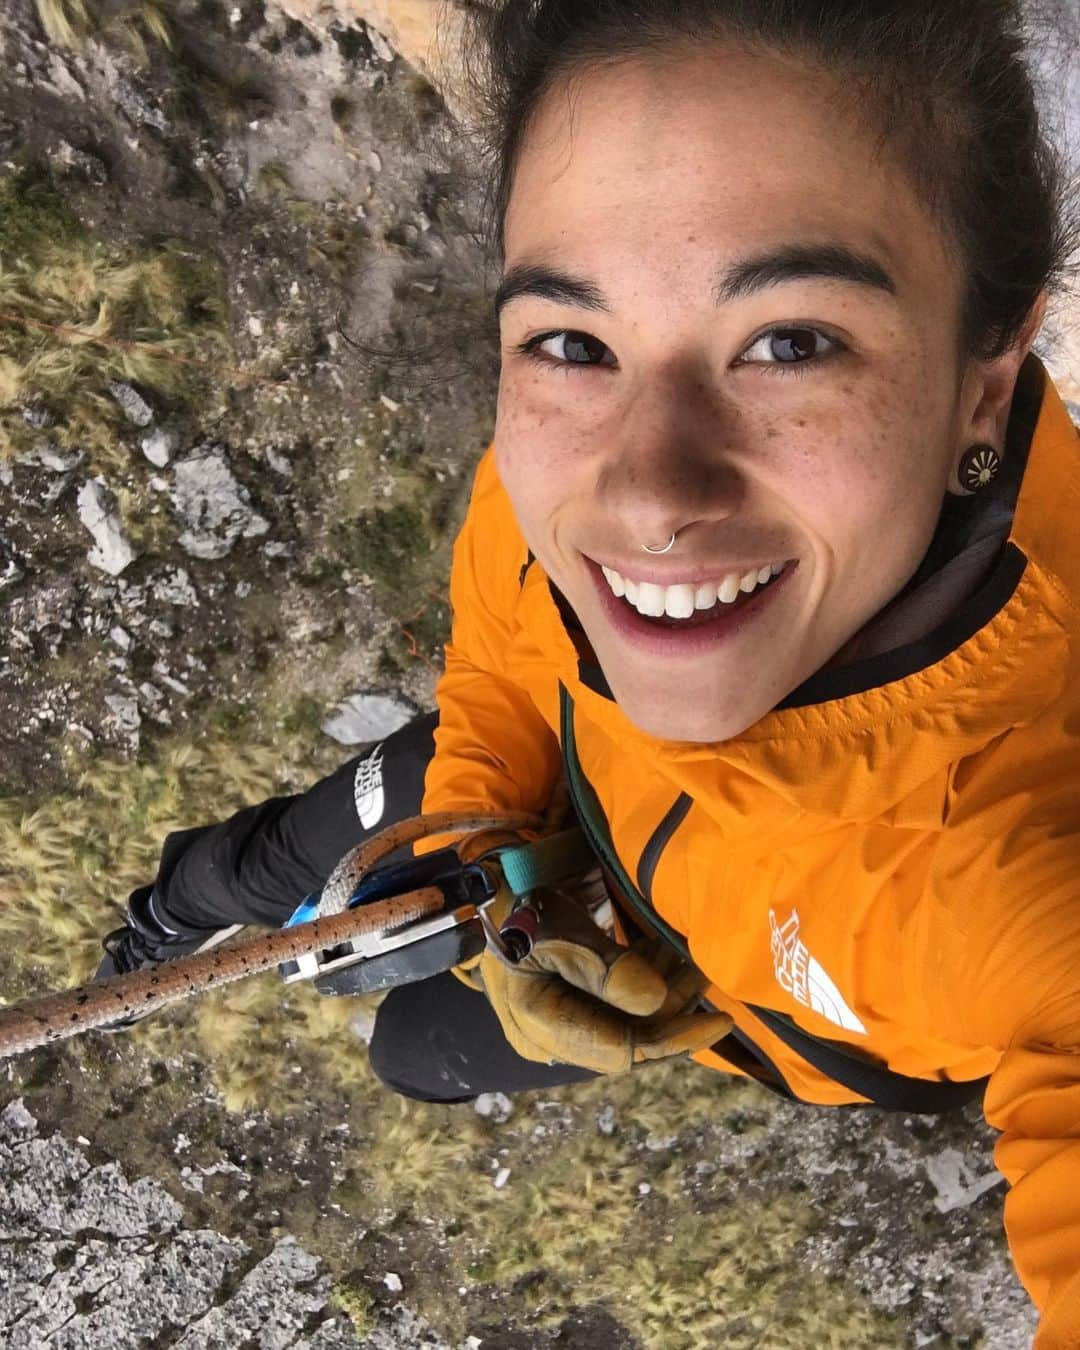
(224, 532)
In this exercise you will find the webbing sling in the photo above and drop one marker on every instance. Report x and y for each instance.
(883, 1087)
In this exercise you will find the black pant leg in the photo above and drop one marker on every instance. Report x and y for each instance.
(439, 1041)
(257, 866)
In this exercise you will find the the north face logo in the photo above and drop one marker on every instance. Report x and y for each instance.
(368, 789)
(803, 978)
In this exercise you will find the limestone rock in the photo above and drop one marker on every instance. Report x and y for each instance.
(111, 552)
(366, 717)
(215, 509)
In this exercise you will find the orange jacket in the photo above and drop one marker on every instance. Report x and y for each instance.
(896, 870)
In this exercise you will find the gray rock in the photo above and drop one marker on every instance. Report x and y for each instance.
(175, 588)
(161, 445)
(139, 109)
(124, 709)
(214, 508)
(134, 407)
(278, 462)
(367, 717)
(11, 568)
(494, 1106)
(36, 415)
(111, 552)
(40, 477)
(68, 162)
(270, 1308)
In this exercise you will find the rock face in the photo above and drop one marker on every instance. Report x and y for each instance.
(91, 1260)
(424, 32)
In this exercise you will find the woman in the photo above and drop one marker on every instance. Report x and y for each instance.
(774, 558)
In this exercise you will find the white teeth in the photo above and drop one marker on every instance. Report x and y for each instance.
(650, 599)
(729, 590)
(615, 581)
(679, 602)
(705, 596)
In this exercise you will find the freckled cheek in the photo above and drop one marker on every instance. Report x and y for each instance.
(844, 493)
(536, 441)
(542, 461)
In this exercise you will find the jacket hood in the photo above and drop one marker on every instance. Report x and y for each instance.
(863, 736)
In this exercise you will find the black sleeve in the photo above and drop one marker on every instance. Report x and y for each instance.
(257, 866)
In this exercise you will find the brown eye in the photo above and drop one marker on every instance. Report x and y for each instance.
(793, 344)
(789, 350)
(580, 351)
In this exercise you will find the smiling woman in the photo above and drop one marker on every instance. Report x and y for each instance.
(772, 568)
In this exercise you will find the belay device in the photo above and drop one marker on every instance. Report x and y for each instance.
(426, 947)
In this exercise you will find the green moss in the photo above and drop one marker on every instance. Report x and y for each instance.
(303, 718)
(33, 214)
(384, 544)
(358, 1303)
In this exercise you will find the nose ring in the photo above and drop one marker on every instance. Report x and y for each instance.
(661, 550)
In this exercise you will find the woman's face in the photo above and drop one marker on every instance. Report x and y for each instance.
(698, 375)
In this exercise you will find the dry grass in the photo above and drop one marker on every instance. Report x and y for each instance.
(66, 22)
(88, 313)
(570, 1228)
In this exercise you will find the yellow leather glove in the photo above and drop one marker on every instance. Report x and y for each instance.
(581, 998)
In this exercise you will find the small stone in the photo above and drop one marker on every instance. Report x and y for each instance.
(502, 1176)
(644, 1188)
(125, 711)
(111, 552)
(243, 589)
(68, 162)
(374, 160)
(494, 1106)
(658, 1143)
(121, 637)
(605, 1120)
(36, 415)
(278, 462)
(160, 446)
(11, 569)
(176, 588)
(366, 717)
(134, 407)
(255, 326)
(388, 402)
(392, 1282)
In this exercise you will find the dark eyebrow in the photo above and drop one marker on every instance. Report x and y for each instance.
(794, 262)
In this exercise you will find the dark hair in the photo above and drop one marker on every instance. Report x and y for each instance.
(945, 84)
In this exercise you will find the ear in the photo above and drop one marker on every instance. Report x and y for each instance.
(987, 392)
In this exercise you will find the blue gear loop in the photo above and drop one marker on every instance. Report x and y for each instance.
(661, 550)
